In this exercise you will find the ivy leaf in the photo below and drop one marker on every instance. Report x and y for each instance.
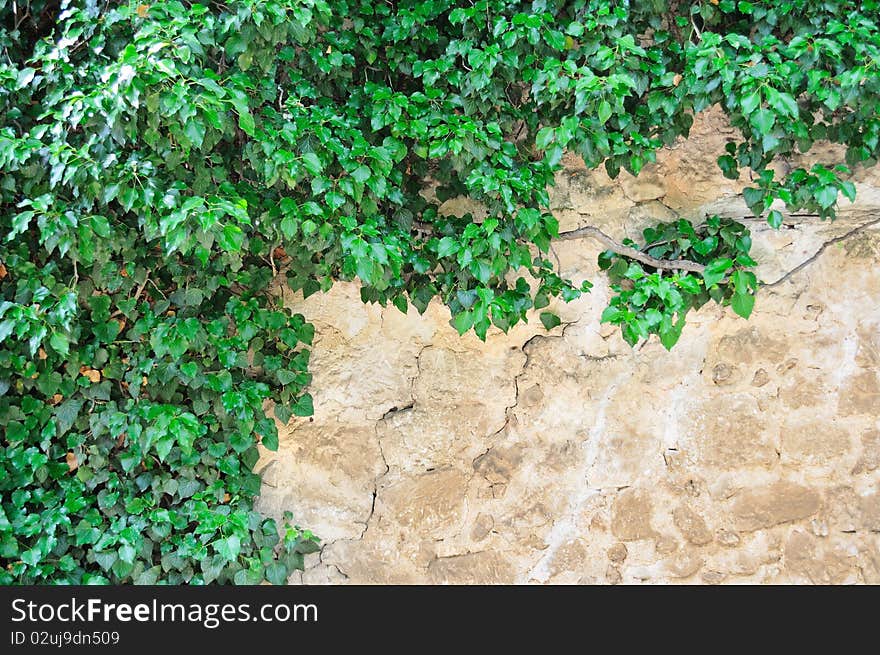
(754, 199)
(689, 283)
(463, 321)
(270, 440)
(195, 132)
(361, 174)
(604, 111)
(743, 303)
(246, 122)
(670, 332)
(774, 219)
(611, 314)
(715, 271)
(447, 246)
(60, 343)
(303, 406)
(549, 320)
(750, 102)
(312, 163)
(228, 548)
(231, 238)
(826, 196)
(544, 137)
(276, 573)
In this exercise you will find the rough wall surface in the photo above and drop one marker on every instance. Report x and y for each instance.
(750, 453)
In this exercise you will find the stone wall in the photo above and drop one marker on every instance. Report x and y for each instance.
(750, 453)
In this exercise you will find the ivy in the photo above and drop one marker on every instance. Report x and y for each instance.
(163, 165)
(648, 301)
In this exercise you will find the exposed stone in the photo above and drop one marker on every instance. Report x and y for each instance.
(723, 374)
(787, 365)
(813, 444)
(752, 345)
(684, 564)
(860, 394)
(727, 432)
(498, 464)
(691, 525)
(483, 524)
(727, 539)
(808, 559)
(484, 568)
(780, 502)
(646, 186)
(842, 509)
(617, 553)
(631, 515)
(568, 558)
(712, 577)
(664, 545)
(760, 378)
(870, 456)
(430, 504)
(870, 506)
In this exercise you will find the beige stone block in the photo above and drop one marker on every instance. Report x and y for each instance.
(774, 504)
(691, 525)
(485, 567)
(631, 515)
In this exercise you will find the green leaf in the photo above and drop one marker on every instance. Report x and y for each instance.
(447, 246)
(604, 111)
(555, 39)
(611, 314)
(774, 218)
(715, 271)
(270, 440)
(195, 132)
(740, 280)
(750, 102)
(754, 199)
(544, 137)
(101, 226)
(361, 174)
(231, 238)
(463, 321)
(689, 283)
(785, 103)
(312, 163)
(246, 122)
(763, 120)
(60, 343)
(826, 196)
(276, 573)
(742, 304)
(670, 332)
(549, 320)
(303, 406)
(228, 548)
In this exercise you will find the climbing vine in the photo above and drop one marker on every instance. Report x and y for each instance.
(164, 165)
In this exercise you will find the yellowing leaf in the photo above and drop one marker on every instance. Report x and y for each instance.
(92, 374)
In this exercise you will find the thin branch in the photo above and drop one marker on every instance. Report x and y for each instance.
(632, 253)
(810, 260)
